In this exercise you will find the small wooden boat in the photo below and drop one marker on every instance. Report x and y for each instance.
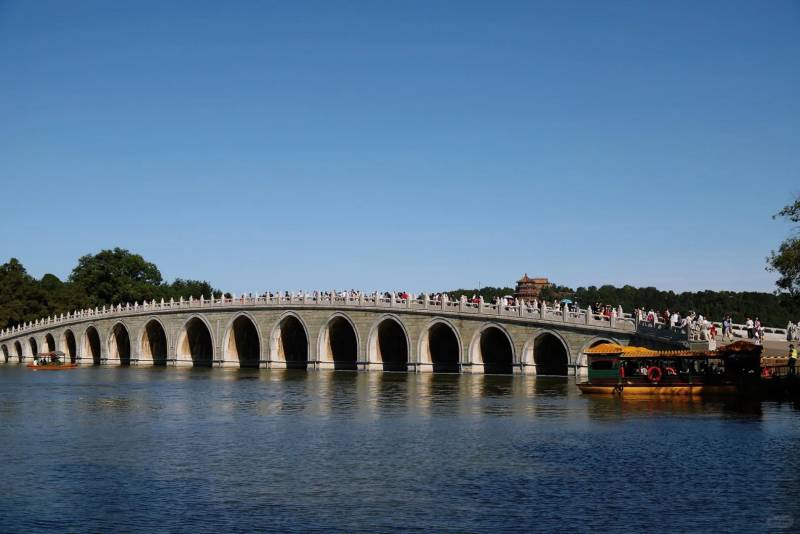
(637, 371)
(52, 367)
(50, 361)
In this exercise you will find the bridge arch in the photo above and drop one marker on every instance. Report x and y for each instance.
(153, 344)
(196, 342)
(19, 350)
(440, 346)
(33, 346)
(69, 346)
(49, 343)
(493, 348)
(91, 344)
(6, 355)
(547, 353)
(242, 341)
(289, 341)
(119, 344)
(388, 343)
(339, 342)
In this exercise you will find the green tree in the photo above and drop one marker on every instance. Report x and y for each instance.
(488, 293)
(786, 261)
(116, 277)
(21, 298)
(189, 288)
(108, 277)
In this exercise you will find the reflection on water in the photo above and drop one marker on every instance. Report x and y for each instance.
(223, 449)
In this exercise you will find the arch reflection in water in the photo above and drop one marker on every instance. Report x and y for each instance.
(431, 391)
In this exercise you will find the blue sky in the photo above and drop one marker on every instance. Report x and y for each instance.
(423, 145)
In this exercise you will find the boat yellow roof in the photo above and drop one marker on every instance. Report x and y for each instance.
(614, 349)
(636, 352)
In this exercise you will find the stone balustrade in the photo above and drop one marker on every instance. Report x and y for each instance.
(622, 322)
(372, 301)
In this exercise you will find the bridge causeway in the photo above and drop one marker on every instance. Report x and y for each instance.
(324, 330)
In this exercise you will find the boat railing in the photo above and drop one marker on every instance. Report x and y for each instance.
(779, 370)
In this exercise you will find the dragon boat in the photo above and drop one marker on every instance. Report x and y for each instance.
(637, 371)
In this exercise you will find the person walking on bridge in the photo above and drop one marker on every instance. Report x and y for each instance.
(727, 329)
(749, 326)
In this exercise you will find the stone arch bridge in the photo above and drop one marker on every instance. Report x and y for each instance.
(361, 332)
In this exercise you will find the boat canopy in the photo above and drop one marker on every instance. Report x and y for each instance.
(621, 351)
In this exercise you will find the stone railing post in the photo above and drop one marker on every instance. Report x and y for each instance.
(588, 314)
(564, 312)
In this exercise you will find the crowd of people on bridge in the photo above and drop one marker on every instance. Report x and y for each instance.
(699, 328)
(694, 324)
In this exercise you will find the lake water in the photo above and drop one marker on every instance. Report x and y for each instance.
(217, 450)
